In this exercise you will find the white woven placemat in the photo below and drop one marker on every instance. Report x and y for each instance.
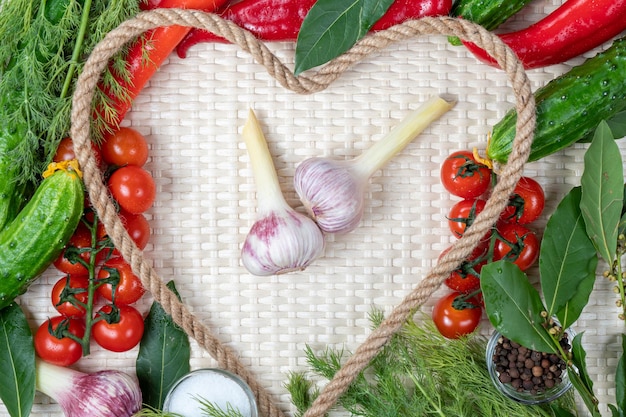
(192, 113)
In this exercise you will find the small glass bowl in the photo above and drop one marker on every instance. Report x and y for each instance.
(219, 387)
(523, 396)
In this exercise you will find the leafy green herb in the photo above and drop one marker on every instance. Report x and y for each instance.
(620, 384)
(39, 62)
(163, 357)
(602, 197)
(331, 27)
(211, 410)
(419, 373)
(17, 381)
(568, 261)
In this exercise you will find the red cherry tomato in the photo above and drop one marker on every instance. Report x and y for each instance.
(136, 225)
(133, 188)
(125, 146)
(462, 176)
(463, 214)
(70, 287)
(65, 151)
(79, 246)
(517, 244)
(61, 351)
(128, 286)
(123, 332)
(454, 321)
(466, 278)
(527, 202)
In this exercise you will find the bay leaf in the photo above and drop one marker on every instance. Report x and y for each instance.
(17, 362)
(602, 185)
(567, 261)
(514, 306)
(164, 354)
(331, 27)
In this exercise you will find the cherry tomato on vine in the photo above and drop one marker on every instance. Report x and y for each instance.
(455, 318)
(56, 349)
(78, 247)
(133, 188)
(117, 273)
(70, 287)
(462, 176)
(462, 215)
(125, 146)
(527, 202)
(466, 278)
(65, 151)
(517, 244)
(120, 330)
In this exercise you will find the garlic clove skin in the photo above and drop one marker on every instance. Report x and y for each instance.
(331, 194)
(99, 394)
(281, 241)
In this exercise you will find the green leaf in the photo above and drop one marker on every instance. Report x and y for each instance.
(17, 362)
(580, 378)
(602, 184)
(567, 261)
(514, 307)
(620, 381)
(163, 357)
(331, 27)
(618, 125)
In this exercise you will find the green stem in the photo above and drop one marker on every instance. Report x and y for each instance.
(78, 46)
(620, 285)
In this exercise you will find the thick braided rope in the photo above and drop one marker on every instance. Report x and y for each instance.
(226, 357)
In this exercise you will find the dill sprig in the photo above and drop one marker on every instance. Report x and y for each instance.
(40, 61)
(419, 373)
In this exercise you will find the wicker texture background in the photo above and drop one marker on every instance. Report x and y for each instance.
(192, 113)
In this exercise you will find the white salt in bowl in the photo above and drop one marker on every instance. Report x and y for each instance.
(216, 386)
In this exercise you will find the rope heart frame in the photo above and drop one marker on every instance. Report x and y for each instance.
(226, 358)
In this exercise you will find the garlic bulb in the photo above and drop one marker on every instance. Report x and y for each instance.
(332, 191)
(281, 240)
(100, 394)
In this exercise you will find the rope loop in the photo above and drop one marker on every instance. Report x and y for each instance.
(308, 83)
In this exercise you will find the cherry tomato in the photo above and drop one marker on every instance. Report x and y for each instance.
(466, 278)
(65, 151)
(463, 214)
(133, 188)
(123, 332)
(125, 146)
(61, 351)
(128, 286)
(136, 225)
(79, 245)
(462, 176)
(527, 202)
(517, 244)
(70, 287)
(456, 319)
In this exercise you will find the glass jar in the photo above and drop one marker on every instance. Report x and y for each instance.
(218, 387)
(520, 394)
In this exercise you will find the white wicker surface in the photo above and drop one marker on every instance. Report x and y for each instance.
(192, 113)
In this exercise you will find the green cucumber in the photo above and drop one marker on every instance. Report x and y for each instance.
(488, 13)
(33, 240)
(570, 107)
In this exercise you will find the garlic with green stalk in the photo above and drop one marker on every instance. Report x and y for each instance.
(281, 240)
(332, 191)
(100, 394)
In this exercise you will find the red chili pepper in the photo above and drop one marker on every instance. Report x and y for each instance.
(280, 20)
(146, 55)
(574, 28)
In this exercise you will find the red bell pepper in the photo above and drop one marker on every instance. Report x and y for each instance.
(574, 28)
(280, 20)
(145, 56)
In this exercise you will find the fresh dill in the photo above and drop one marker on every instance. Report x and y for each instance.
(39, 63)
(419, 373)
